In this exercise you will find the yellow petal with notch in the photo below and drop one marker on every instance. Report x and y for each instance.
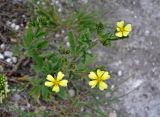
(92, 75)
(60, 76)
(120, 24)
(55, 88)
(125, 33)
(128, 28)
(119, 34)
(102, 86)
(93, 83)
(48, 84)
(99, 73)
(63, 83)
(50, 78)
(105, 76)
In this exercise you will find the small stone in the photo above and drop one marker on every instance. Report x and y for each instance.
(147, 32)
(57, 35)
(13, 25)
(2, 46)
(59, 10)
(57, 2)
(1, 56)
(9, 60)
(14, 59)
(17, 27)
(112, 87)
(97, 97)
(62, 31)
(71, 92)
(119, 73)
(8, 53)
(67, 44)
(8, 23)
(113, 114)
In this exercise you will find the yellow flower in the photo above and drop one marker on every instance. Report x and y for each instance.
(99, 78)
(56, 82)
(122, 30)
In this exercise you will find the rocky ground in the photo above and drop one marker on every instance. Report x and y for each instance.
(136, 60)
(134, 63)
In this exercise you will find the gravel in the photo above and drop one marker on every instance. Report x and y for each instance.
(8, 53)
(1, 56)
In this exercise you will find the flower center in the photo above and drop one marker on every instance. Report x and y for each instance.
(99, 79)
(122, 29)
(56, 82)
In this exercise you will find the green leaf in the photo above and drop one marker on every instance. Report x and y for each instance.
(45, 92)
(72, 42)
(41, 44)
(36, 92)
(28, 37)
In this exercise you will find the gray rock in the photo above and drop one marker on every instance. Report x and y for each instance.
(2, 46)
(113, 114)
(9, 60)
(14, 59)
(1, 56)
(71, 92)
(8, 54)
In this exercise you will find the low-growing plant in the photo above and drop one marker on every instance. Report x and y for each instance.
(52, 59)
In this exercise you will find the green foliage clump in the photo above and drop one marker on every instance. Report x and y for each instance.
(3, 88)
(48, 56)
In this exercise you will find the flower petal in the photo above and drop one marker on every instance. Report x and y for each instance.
(50, 78)
(125, 33)
(55, 88)
(118, 29)
(99, 73)
(128, 28)
(63, 83)
(93, 83)
(105, 76)
(103, 85)
(60, 76)
(120, 24)
(119, 34)
(92, 75)
(48, 84)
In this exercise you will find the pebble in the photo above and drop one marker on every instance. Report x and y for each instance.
(9, 60)
(8, 23)
(1, 56)
(119, 73)
(13, 25)
(57, 35)
(8, 53)
(97, 97)
(2, 46)
(62, 31)
(59, 10)
(67, 44)
(17, 27)
(71, 92)
(113, 114)
(14, 59)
